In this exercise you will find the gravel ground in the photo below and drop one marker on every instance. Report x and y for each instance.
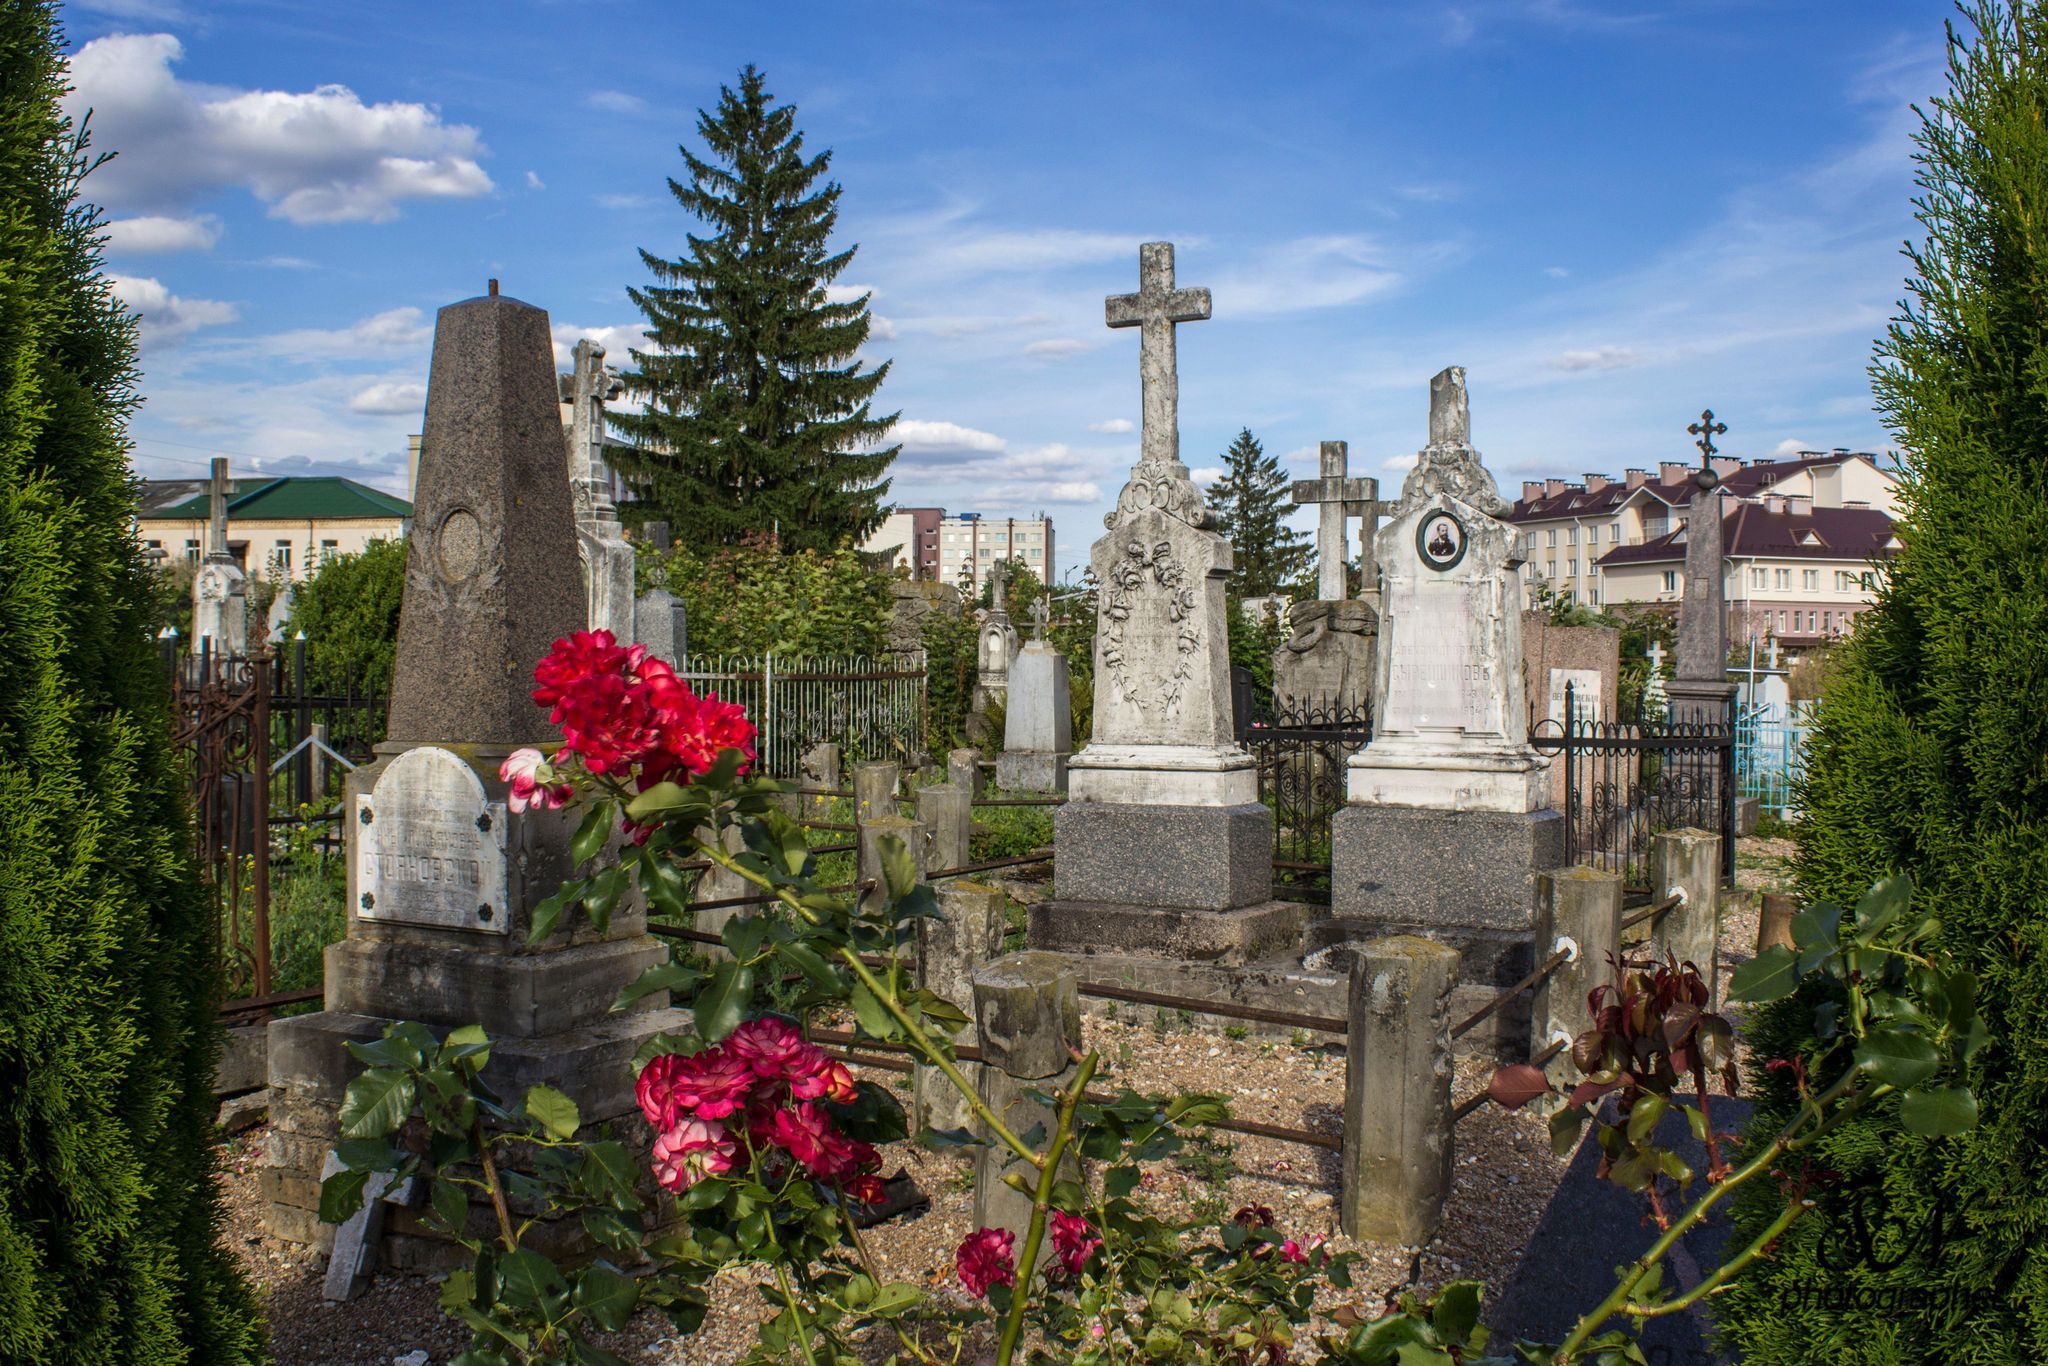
(1505, 1177)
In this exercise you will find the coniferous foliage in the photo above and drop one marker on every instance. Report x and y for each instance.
(758, 416)
(108, 981)
(1929, 760)
(1252, 504)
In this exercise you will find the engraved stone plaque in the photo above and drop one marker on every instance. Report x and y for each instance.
(1585, 685)
(430, 846)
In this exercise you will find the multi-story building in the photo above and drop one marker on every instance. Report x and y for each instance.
(281, 527)
(970, 544)
(1570, 532)
(909, 538)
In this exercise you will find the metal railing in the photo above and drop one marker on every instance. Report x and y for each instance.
(873, 708)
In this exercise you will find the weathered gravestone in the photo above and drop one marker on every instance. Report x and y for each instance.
(220, 590)
(997, 649)
(1584, 659)
(442, 875)
(1163, 845)
(659, 620)
(1324, 671)
(1447, 820)
(601, 545)
(1038, 721)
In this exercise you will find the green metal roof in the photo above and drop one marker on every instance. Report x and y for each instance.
(288, 498)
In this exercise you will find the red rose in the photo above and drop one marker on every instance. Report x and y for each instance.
(773, 1048)
(985, 1259)
(691, 1151)
(804, 1133)
(712, 1084)
(1073, 1240)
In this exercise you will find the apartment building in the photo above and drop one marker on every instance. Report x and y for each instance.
(280, 527)
(970, 544)
(909, 539)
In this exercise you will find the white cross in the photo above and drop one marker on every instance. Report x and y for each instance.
(1771, 652)
(1337, 498)
(1156, 308)
(1657, 658)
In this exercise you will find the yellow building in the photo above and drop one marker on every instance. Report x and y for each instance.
(280, 527)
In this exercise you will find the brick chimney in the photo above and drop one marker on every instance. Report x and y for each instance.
(1636, 478)
(1596, 482)
(1671, 471)
(1725, 465)
(1553, 487)
(1775, 504)
(1532, 489)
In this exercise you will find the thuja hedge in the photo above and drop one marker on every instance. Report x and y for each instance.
(1931, 757)
(107, 984)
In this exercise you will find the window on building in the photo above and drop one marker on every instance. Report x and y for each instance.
(156, 545)
(1614, 534)
(1550, 569)
(987, 552)
(281, 555)
(1781, 621)
(1671, 580)
(1827, 621)
(1571, 535)
(1571, 567)
(1756, 578)
(329, 549)
(1593, 595)
(1784, 578)
(1809, 579)
(1036, 553)
(191, 550)
(1550, 537)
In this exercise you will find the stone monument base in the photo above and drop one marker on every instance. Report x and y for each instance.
(1218, 937)
(1279, 982)
(311, 1067)
(512, 996)
(1198, 858)
(1031, 770)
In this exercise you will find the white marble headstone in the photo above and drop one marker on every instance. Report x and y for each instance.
(431, 846)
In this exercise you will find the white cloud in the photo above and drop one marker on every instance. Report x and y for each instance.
(147, 11)
(933, 438)
(988, 251)
(1116, 426)
(846, 294)
(1599, 358)
(617, 341)
(1790, 446)
(1307, 273)
(320, 156)
(167, 317)
(534, 182)
(616, 102)
(1427, 194)
(1057, 346)
(1556, 272)
(623, 201)
(390, 398)
(380, 334)
(1077, 491)
(158, 233)
(1206, 474)
(881, 328)
(1400, 462)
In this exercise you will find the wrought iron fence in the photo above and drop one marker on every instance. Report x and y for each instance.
(1625, 780)
(1301, 749)
(1770, 759)
(873, 708)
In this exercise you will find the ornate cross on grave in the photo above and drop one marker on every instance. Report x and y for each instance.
(1702, 627)
(1771, 653)
(1706, 429)
(1337, 498)
(1041, 612)
(1156, 308)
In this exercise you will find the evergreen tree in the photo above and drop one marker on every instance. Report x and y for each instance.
(1252, 504)
(758, 417)
(108, 983)
(1929, 759)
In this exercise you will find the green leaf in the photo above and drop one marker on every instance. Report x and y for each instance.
(1456, 1312)
(1642, 1120)
(525, 1277)
(469, 1044)
(548, 911)
(1118, 1182)
(725, 770)
(1564, 1129)
(1894, 1056)
(665, 885)
(606, 1296)
(376, 1103)
(948, 1138)
(899, 869)
(893, 1299)
(451, 1206)
(553, 1111)
(660, 801)
(609, 1228)
(1938, 1111)
(723, 999)
(1885, 902)
(874, 1019)
(811, 964)
(601, 898)
(670, 976)
(1817, 932)
(591, 835)
(1767, 977)
(663, 1042)
(341, 1195)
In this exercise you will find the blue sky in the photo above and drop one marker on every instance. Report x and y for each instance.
(1611, 214)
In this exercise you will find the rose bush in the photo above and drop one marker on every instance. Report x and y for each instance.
(763, 1147)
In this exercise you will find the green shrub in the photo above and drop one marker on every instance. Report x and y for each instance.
(348, 608)
(108, 986)
(751, 599)
(1928, 759)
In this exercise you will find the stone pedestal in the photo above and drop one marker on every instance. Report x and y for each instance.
(1038, 725)
(1325, 670)
(220, 608)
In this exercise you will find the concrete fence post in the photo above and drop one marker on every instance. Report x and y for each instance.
(1774, 921)
(1397, 1090)
(948, 952)
(947, 811)
(821, 769)
(1583, 909)
(715, 884)
(1028, 1012)
(1688, 862)
(874, 790)
(963, 769)
(869, 867)
(317, 761)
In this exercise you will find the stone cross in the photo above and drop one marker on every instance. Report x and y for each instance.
(1337, 498)
(1041, 612)
(1702, 624)
(1156, 308)
(1657, 658)
(1450, 410)
(217, 511)
(591, 384)
(1771, 653)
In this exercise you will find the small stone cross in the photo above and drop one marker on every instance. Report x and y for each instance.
(1771, 652)
(1336, 499)
(1156, 308)
(217, 511)
(1041, 612)
(1657, 658)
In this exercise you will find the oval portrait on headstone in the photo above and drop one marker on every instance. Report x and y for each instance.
(460, 543)
(1440, 540)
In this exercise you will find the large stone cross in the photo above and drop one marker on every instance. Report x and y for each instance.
(1156, 308)
(1336, 499)
(217, 511)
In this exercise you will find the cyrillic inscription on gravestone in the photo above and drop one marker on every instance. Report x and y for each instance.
(431, 846)
(1440, 679)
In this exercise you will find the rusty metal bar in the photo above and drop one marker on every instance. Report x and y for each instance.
(1501, 998)
(847, 793)
(986, 865)
(847, 826)
(763, 898)
(251, 1004)
(1018, 801)
(259, 838)
(1324, 1023)
(834, 848)
(846, 1038)
(902, 1065)
(1471, 1103)
(1650, 912)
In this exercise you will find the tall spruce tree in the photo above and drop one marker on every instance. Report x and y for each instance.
(1252, 503)
(108, 980)
(758, 418)
(1929, 758)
